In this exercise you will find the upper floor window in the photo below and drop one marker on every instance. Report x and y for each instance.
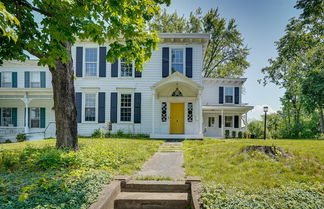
(126, 107)
(177, 63)
(90, 107)
(91, 57)
(229, 94)
(35, 79)
(126, 70)
(6, 80)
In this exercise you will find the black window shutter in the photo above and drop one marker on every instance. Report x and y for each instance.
(137, 107)
(114, 68)
(102, 107)
(102, 61)
(138, 74)
(165, 62)
(221, 95)
(113, 107)
(219, 121)
(79, 61)
(27, 79)
(189, 62)
(236, 121)
(78, 104)
(237, 95)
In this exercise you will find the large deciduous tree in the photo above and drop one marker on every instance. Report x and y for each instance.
(49, 28)
(226, 54)
(7, 22)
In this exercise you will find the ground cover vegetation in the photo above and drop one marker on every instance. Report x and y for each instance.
(37, 175)
(236, 179)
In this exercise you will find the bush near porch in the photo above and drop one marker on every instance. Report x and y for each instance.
(253, 180)
(36, 175)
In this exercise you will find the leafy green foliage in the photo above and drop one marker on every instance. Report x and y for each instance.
(233, 134)
(226, 54)
(240, 134)
(36, 175)
(7, 21)
(227, 133)
(21, 137)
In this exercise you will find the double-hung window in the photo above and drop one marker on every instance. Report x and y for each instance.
(126, 70)
(229, 95)
(35, 117)
(6, 79)
(90, 107)
(211, 121)
(177, 64)
(6, 116)
(229, 121)
(91, 59)
(35, 79)
(126, 107)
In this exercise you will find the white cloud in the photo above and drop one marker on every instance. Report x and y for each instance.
(257, 111)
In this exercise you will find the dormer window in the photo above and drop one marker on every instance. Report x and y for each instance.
(229, 95)
(177, 63)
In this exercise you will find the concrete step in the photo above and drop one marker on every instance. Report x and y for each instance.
(156, 186)
(146, 200)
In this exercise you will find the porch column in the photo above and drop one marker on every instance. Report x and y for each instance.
(26, 101)
(153, 112)
(200, 114)
(223, 122)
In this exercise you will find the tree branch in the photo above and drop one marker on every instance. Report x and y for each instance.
(28, 5)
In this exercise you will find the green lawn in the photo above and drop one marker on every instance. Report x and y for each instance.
(254, 180)
(36, 175)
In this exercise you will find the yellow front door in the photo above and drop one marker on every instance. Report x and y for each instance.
(177, 118)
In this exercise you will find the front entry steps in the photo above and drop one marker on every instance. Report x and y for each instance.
(138, 194)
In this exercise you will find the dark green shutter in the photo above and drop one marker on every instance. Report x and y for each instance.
(102, 107)
(219, 121)
(42, 117)
(14, 79)
(79, 62)
(27, 79)
(237, 95)
(78, 105)
(236, 121)
(137, 107)
(165, 62)
(189, 62)
(0, 79)
(113, 107)
(114, 68)
(43, 79)
(138, 74)
(221, 95)
(14, 116)
(102, 61)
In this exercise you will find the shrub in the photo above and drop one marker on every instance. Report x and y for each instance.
(227, 134)
(240, 134)
(8, 141)
(96, 133)
(120, 133)
(21, 137)
(233, 134)
(246, 135)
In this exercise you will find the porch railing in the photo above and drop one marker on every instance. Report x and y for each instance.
(10, 132)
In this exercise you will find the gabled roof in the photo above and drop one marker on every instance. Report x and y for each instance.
(177, 77)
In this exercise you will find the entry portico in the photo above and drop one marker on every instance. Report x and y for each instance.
(176, 108)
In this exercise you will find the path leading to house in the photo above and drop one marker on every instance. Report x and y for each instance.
(167, 162)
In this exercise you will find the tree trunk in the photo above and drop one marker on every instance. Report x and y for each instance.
(64, 103)
(322, 120)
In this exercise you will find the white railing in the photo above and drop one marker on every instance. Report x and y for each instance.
(10, 132)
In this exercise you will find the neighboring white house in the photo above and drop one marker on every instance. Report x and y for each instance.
(168, 99)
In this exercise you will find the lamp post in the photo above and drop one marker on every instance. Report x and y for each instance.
(265, 109)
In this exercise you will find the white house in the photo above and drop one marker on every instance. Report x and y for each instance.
(168, 99)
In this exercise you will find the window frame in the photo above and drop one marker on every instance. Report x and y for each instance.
(120, 68)
(183, 58)
(228, 87)
(85, 62)
(84, 107)
(2, 79)
(211, 123)
(30, 117)
(120, 92)
(30, 79)
(1, 115)
(232, 121)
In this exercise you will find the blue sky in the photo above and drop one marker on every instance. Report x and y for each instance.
(261, 22)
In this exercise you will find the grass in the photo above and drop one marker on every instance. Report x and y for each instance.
(154, 178)
(36, 175)
(253, 180)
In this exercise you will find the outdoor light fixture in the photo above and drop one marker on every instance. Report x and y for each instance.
(265, 109)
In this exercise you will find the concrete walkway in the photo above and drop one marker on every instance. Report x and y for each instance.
(167, 162)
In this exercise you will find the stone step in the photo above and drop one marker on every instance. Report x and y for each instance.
(156, 186)
(145, 200)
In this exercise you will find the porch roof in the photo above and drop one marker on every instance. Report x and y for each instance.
(229, 108)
